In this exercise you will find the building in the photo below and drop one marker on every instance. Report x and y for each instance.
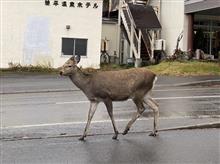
(48, 32)
(189, 18)
(130, 30)
(202, 22)
(199, 20)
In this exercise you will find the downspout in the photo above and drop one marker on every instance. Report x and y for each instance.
(159, 13)
(119, 58)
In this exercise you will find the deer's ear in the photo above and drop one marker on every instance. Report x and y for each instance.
(72, 58)
(77, 58)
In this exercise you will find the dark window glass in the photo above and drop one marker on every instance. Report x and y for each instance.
(73, 46)
(81, 47)
(67, 46)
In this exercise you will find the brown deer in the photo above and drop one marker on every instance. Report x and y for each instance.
(109, 86)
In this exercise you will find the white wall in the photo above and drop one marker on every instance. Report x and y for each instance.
(110, 31)
(172, 21)
(32, 32)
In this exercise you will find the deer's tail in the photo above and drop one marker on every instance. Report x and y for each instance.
(155, 79)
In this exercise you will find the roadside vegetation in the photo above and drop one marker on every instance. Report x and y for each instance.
(186, 68)
(17, 68)
(172, 68)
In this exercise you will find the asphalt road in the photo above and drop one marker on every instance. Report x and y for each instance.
(43, 127)
(175, 147)
(11, 83)
(59, 107)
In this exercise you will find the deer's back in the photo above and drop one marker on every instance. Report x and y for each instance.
(121, 85)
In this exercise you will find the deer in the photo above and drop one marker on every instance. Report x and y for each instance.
(109, 86)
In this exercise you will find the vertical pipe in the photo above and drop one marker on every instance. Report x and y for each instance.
(152, 45)
(139, 43)
(131, 40)
(119, 34)
(210, 37)
(190, 32)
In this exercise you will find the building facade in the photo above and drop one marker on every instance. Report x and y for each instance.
(48, 32)
(202, 19)
(198, 21)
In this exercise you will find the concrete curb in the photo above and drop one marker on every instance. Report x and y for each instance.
(197, 83)
(191, 127)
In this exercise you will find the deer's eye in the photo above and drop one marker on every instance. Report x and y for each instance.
(69, 66)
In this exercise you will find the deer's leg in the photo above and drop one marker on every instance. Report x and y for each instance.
(155, 107)
(140, 110)
(92, 109)
(108, 104)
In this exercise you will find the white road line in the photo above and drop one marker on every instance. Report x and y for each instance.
(72, 102)
(185, 89)
(187, 97)
(101, 121)
(63, 123)
(158, 98)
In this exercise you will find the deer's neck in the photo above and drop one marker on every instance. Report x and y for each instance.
(80, 79)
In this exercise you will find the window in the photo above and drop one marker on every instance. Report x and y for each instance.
(74, 46)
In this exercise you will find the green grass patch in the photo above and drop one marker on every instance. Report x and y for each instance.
(106, 67)
(188, 68)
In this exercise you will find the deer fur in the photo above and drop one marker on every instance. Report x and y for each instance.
(109, 86)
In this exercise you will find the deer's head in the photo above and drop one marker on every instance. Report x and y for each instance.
(70, 66)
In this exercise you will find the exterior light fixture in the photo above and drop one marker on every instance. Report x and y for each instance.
(68, 27)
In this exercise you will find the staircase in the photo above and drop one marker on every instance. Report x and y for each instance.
(148, 43)
(130, 29)
(140, 40)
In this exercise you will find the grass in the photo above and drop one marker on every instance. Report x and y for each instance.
(188, 68)
(28, 69)
(174, 68)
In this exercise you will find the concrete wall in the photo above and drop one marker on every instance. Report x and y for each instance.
(110, 31)
(172, 21)
(32, 32)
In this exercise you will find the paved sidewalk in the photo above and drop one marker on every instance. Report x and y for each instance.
(27, 83)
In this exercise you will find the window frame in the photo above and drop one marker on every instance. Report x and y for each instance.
(74, 47)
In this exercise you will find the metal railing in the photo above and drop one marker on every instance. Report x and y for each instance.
(134, 38)
(130, 28)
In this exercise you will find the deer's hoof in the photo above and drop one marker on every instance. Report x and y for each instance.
(153, 134)
(115, 137)
(82, 138)
(125, 131)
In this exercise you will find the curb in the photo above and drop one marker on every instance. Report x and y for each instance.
(191, 127)
(198, 83)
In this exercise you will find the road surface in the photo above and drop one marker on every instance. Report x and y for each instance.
(43, 126)
(179, 147)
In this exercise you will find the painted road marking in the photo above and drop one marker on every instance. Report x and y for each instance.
(185, 89)
(101, 121)
(158, 98)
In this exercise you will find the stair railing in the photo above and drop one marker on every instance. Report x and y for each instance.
(130, 28)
